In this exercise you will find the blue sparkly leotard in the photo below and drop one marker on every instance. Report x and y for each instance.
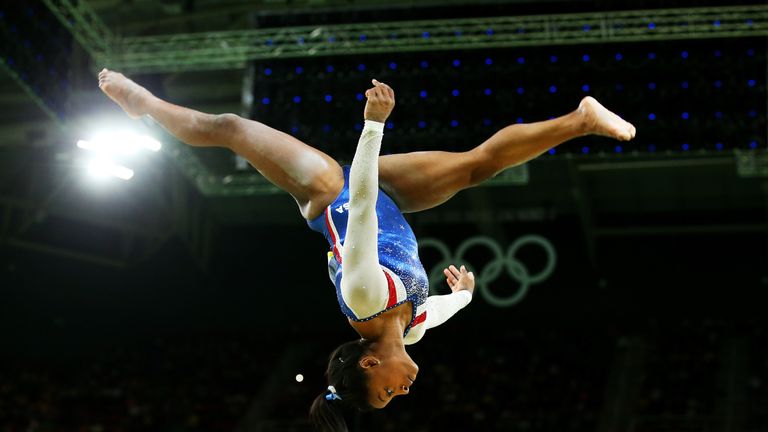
(373, 240)
(398, 253)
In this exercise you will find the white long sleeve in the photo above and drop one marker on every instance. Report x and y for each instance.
(438, 309)
(363, 285)
(441, 308)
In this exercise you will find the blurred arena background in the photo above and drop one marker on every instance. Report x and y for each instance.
(192, 296)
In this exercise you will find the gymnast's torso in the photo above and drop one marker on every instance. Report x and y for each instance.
(407, 280)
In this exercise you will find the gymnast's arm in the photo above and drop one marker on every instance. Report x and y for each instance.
(441, 308)
(363, 285)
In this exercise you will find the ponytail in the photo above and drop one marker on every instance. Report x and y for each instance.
(348, 388)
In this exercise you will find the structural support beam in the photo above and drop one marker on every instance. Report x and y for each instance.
(232, 49)
(678, 230)
(20, 216)
(204, 13)
(86, 27)
(583, 202)
(30, 92)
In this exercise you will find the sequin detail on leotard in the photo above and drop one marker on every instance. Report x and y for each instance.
(398, 252)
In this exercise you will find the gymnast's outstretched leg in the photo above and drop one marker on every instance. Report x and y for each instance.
(313, 178)
(421, 180)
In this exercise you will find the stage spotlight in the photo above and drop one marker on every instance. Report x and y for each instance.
(120, 143)
(107, 146)
(104, 167)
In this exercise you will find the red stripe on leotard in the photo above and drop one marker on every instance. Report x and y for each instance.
(329, 226)
(392, 291)
(420, 318)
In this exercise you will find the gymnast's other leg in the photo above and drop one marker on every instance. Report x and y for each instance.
(422, 180)
(313, 178)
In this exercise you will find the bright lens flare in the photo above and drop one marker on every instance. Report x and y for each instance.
(120, 143)
(102, 167)
(108, 147)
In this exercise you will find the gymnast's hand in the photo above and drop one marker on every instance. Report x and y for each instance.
(460, 280)
(381, 101)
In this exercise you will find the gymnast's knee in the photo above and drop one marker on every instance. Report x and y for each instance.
(227, 121)
(484, 166)
(224, 126)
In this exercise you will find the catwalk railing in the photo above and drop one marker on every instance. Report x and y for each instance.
(231, 49)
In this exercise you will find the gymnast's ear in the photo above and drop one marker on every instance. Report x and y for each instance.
(369, 361)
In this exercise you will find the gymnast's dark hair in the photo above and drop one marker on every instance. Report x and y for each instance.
(351, 384)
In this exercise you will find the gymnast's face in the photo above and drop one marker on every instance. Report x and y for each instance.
(388, 377)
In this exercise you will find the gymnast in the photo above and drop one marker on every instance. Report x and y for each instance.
(381, 286)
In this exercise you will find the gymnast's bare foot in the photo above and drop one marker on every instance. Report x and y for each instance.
(598, 120)
(130, 96)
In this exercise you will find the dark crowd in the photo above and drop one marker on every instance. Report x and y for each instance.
(696, 374)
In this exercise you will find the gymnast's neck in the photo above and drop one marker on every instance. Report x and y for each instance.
(386, 329)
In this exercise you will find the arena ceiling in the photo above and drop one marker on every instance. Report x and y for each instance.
(37, 150)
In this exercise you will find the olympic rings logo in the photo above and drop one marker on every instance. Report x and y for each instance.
(492, 270)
